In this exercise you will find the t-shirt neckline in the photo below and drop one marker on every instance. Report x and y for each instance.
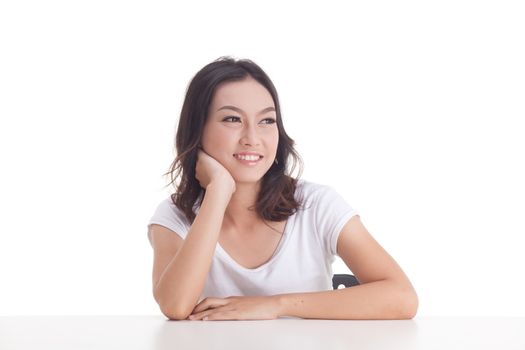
(288, 229)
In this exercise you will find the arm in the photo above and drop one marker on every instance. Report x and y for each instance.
(177, 291)
(379, 300)
(385, 291)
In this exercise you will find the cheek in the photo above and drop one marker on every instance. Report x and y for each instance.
(212, 137)
(273, 139)
(218, 145)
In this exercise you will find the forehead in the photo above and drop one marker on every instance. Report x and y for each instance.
(247, 94)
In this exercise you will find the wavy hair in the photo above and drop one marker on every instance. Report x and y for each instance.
(275, 201)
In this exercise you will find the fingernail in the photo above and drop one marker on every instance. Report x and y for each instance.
(205, 318)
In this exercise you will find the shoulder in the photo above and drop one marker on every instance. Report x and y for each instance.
(309, 190)
(169, 215)
(168, 207)
(323, 199)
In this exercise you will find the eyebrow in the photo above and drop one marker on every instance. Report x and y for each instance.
(267, 109)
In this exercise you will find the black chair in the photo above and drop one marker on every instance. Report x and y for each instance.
(344, 279)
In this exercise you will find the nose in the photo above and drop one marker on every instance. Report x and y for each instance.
(249, 136)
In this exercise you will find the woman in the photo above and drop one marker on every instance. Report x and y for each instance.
(241, 238)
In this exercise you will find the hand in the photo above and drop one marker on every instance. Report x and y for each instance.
(237, 308)
(208, 169)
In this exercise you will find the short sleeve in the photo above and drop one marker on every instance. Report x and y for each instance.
(331, 213)
(168, 215)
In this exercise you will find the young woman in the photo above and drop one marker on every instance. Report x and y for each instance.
(241, 238)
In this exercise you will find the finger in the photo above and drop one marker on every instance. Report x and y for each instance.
(203, 305)
(197, 317)
(221, 315)
(223, 310)
(209, 303)
(201, 315)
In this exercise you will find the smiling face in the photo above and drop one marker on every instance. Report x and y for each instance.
(242, 118)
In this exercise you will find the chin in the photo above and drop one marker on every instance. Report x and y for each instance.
(247, 178)
(249, 175)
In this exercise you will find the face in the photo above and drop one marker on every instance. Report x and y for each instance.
(248, 124)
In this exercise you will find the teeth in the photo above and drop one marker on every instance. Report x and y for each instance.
(252, 158)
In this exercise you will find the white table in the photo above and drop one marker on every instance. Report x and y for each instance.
(157, 332)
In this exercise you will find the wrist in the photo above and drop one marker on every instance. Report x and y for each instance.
(279, 301)
(221, 187)
(219, 191)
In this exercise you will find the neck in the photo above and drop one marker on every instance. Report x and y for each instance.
(237, 214)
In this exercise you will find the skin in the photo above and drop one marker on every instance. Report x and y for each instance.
(246, 131)
(385, 291)
(227, 132)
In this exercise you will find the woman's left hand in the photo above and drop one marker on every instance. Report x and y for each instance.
(237, 308)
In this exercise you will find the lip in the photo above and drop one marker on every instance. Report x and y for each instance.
(248, 162)
(248, 154)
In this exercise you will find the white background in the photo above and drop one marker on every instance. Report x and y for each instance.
(412, 110)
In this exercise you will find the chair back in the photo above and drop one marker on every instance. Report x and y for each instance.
(344, 279)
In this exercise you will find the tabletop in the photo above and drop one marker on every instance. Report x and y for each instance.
(157, 332)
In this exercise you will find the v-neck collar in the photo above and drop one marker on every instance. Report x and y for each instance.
(288, 229)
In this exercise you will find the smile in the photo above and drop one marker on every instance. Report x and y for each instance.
(248, 160)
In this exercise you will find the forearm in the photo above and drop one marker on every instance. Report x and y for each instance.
(375, 300)
(183, 280)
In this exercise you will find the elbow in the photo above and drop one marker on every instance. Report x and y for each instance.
(404, 302)
(174, 313)
(410, 304)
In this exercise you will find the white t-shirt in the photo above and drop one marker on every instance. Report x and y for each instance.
(302, 262)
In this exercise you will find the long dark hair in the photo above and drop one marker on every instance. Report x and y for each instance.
(275, 201)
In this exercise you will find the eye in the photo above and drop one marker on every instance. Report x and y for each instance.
(270, 120)
(237, 119)
(231, 117)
